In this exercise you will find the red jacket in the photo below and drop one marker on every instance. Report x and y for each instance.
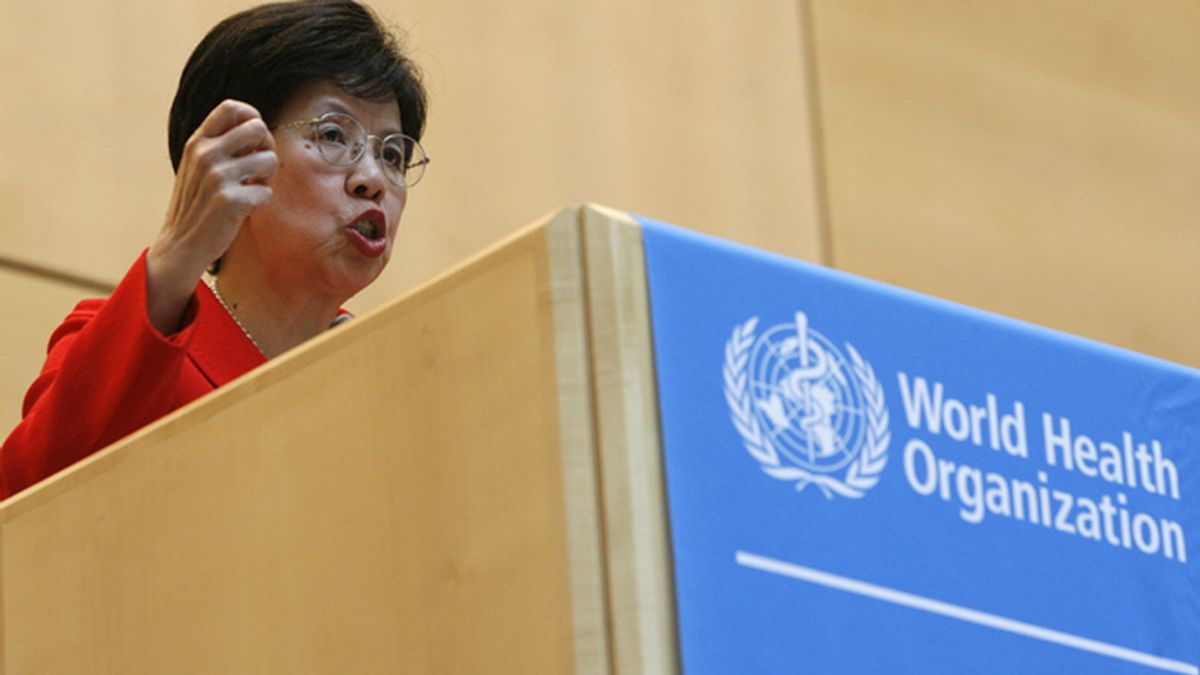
(109, 372)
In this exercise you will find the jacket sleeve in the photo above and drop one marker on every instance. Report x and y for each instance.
(108, 372)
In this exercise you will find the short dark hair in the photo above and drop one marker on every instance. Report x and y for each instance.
(264, 55)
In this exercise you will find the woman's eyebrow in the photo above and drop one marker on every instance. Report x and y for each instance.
(333, 104)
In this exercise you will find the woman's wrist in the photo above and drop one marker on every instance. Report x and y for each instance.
(169, 288)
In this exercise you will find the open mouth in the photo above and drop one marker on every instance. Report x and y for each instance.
(368, 228)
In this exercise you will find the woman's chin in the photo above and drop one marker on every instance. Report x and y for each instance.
(353, 279)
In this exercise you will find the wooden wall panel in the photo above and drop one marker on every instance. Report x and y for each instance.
(681, 110)
(687, 111)
(1036, 159)
(86, 178)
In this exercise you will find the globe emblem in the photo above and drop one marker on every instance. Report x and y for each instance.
(809, 410)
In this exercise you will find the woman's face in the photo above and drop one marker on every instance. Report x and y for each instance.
(327, 228)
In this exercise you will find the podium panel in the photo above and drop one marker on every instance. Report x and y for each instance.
(411, 492)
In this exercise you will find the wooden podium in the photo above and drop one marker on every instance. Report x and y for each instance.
(467, 480)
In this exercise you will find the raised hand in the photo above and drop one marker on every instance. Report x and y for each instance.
(222, 178)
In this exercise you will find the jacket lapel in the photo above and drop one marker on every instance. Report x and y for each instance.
(220, 348)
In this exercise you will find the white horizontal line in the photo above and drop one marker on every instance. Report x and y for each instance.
(961, 613)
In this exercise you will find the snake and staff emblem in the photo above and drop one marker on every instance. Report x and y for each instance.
(806, 411)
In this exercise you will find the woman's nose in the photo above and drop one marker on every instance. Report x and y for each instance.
(366, 178)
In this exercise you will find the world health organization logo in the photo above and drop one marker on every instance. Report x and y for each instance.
(805, 412)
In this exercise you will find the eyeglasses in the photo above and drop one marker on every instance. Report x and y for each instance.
(342, 140)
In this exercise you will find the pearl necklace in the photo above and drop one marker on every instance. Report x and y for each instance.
(212, 285)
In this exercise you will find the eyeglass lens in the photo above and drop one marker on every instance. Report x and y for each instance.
(342, 140)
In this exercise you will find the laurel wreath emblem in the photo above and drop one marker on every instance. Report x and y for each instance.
(861, 475)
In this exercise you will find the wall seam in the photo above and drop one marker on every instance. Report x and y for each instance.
(57, 276)
(816, 131)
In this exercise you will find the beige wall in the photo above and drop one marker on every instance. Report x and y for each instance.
(1036, 159)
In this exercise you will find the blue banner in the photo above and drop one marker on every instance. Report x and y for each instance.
(865, 479)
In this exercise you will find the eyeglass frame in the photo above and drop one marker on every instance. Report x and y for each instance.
(367, 138)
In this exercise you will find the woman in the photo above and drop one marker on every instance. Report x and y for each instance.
(293, 135)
